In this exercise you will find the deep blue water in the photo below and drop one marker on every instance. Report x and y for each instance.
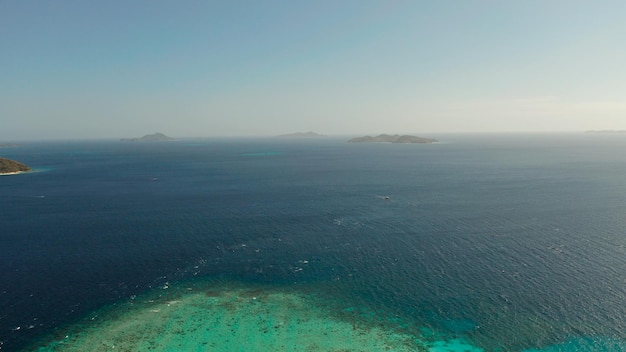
(511, 241)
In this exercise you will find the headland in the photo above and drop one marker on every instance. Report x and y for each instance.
(10, 167)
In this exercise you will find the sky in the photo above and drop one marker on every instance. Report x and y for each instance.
(115, 69)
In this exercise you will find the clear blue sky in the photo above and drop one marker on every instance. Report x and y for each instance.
(99, 69)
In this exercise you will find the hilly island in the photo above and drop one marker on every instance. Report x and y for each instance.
(8, 166)
(396, 138)
(155, 137)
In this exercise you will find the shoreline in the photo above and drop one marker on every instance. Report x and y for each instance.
(14, 173)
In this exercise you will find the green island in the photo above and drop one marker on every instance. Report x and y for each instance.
(8, 167)
(395, 138)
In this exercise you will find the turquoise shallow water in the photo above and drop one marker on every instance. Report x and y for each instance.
(504, 243)
(230, 316)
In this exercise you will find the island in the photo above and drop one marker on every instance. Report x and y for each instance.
(8, 167)
(156, 137)
(396, 138)
(301, 135)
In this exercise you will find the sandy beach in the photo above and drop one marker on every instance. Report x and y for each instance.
(14, 173)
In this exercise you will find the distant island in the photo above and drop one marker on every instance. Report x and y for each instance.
(301, 135)
(396, 138)
(606, 131)
(8, 166)
(156, 137)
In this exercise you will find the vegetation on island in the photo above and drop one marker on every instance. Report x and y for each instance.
(155, 137)
(396, 138)
(8, 166)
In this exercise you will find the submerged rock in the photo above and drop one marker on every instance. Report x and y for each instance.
(232, 317)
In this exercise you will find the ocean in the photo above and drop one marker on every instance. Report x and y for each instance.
(497, 242)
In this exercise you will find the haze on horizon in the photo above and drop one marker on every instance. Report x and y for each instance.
(78, 69)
